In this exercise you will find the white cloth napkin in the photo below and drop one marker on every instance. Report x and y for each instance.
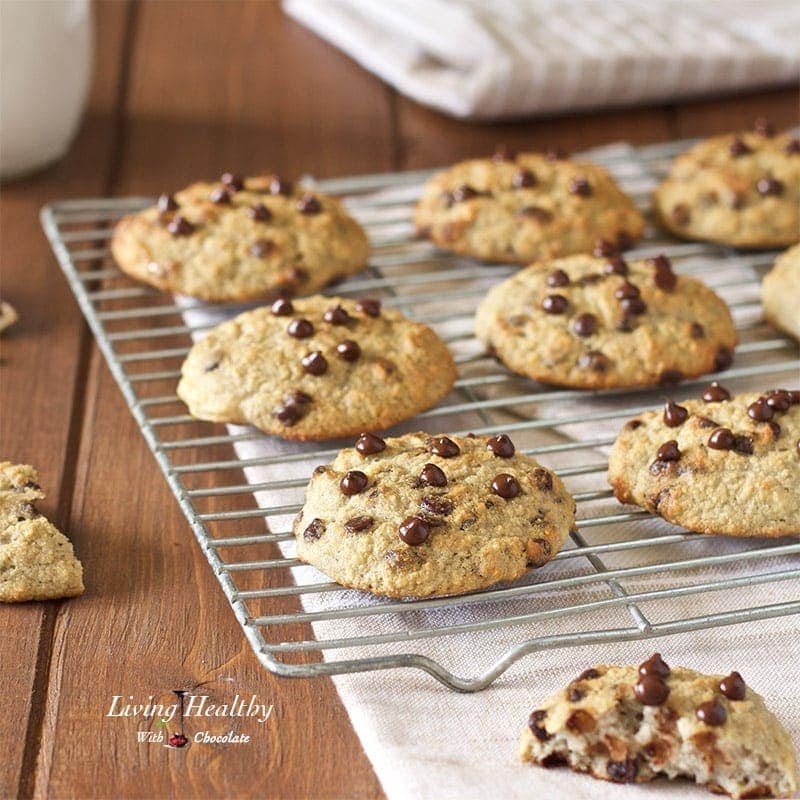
(503, 58)
(426, 741)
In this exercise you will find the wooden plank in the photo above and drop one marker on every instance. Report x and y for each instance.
(159, 620)
(44, 361)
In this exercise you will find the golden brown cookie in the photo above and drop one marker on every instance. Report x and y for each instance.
(780, 293)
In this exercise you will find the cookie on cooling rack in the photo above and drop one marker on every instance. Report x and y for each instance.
(631, 725)
(525, 207)
(316, 368)
(780, 293)
(36, 559)
(424, 515)
(741, 189)
(241, 239)
(589, 322)
(722, 465)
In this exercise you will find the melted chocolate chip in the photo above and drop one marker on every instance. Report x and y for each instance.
(444, 447)
(414, 531)
(697, 331)
(308, 204)
(733, 686)
(279, 185)
(220, 196)
(633, 306)
(712, 712)
(369, 306)
(555, 304)
(359, 524)
(663, 276)
(593, 360)
(314, 530)
(348, 350)
(715, 393)
(668, 451)
(464, 192)
(760, 411)
(580, 186)
(626, 291)
(651, 690)
(180, 226)
(763, 126)
(523, 178)
(737, 148)
(300, 329)
(505, 486)
(543, 479)
(588, 675)
(297, 398)
(768, 185)
(603, 248)
(670, 377)
(337, 315)
(584, 324)
(282, 307)
(681, 214)
(743, 445)
(674, 414)
(721, 439)
(167, 203)
(259, 212)
(261, 248)
(368, 444)
(501, 446)
(655, 665)
(536, 212)
(289, 414)
(353, 482)
(535, 724)
(623, 771)
(314, 363)
(575, 694)
(232, 181)
(432, 475)
(440, 506)
(558, 278)
(616, 265)
(554, 760)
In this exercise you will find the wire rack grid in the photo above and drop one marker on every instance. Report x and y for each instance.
(299, 623)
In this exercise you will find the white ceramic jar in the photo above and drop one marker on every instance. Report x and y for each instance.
(45, 65)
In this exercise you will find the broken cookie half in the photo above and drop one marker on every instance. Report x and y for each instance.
(632, 724)
(36, 559)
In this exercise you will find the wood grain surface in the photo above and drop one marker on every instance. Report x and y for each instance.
(183, 90)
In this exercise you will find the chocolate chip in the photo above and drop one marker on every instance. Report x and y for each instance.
(581, 721)
(633, 424)
(769, 186)
(681, 214)
(314, 530)
(575, 694)
(359, 524)
(180, 226)
(337, 315)
(167, 203)
(670, 377)
(220, 196)
(760, 411)
(308, 204)
(439, 506)
(603, 248)
(535, 724)
(664, 278)
(715, 393)
(505, 486)
(348, 350)
(590, 278)
(668, 451)
(314, 363)
(778, 399)
(298, 275)
(432, 475)
(414, 531)
(721, 439)
(289, 414)
(737, 148)
(555, 304)
(743, 444)
(543, 479)
(593, 360)
(368, 444)
(775, 428)
(444, 447)
(763, 126)
(633, 306)
(674, 414)
(712, 712)
(623, 771)
(697, 331)
(651, 690)
(353, 482)
(279, 185)
(297, 398)
(794, 397)
(655, 665)
(580, 186)
(369, 306)
(523, 178)
(588, 675)
(558, 278)
(733, 686)
(259, 212)
(536, 212)
(464, 192)
(261, 248)
(235, 182)
(584, 324)
(282, 307)
(501, 446)
(616, 265)
(300, 329)
(792, 147)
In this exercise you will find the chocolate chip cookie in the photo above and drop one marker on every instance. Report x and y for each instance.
(780, 293)
(741, 189)
(631, 725)
(36, 560)
(526, 207)
(721, 464)
(590, 322)
(316, 368)
(241, 239)
(424, 515)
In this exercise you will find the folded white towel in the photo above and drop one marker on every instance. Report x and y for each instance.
(504, 58)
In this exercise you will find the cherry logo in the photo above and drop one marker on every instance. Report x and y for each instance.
(178, 740)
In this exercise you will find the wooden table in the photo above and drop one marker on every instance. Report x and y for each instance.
(183, 90)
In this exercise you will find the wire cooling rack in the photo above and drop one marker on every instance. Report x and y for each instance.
(301, 624)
